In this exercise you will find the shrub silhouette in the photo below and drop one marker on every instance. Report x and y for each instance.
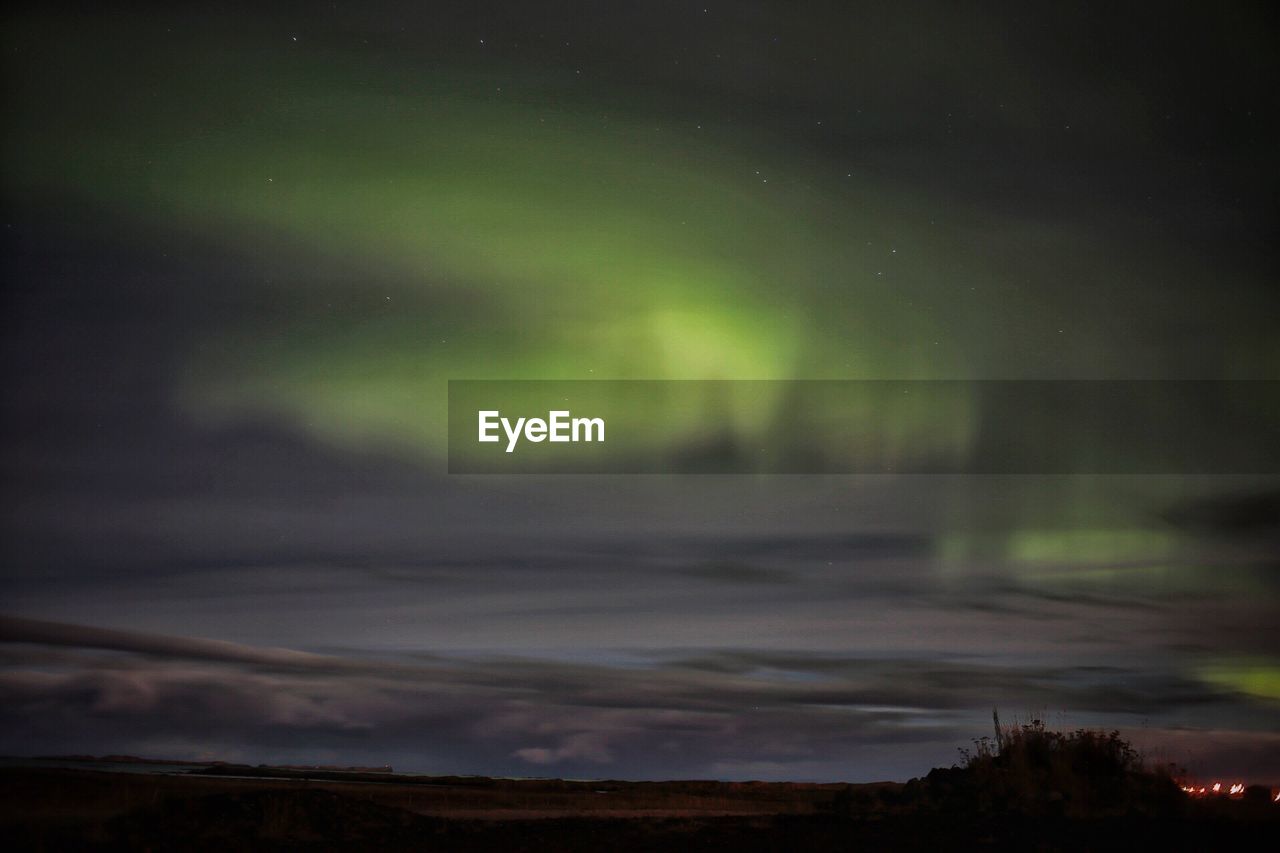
(1032, 770)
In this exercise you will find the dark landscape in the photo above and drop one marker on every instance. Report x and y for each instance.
(1031, 789)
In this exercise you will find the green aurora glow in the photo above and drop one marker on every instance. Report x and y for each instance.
(422, 225)
(471, 231)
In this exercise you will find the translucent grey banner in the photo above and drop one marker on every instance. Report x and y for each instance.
(864, 427)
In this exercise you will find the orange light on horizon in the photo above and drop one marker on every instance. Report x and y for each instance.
(1232, 790)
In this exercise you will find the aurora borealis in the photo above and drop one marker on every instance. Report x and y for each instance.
(247, 248)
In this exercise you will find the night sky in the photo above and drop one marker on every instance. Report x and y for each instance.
(246, 247)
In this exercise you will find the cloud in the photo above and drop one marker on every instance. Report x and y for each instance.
(735, 573)
(586, 746)
(780, 714)
(18, 630)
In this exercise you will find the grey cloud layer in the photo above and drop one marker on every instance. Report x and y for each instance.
(731, 713)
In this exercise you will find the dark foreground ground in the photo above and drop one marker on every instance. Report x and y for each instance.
(248, 808)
